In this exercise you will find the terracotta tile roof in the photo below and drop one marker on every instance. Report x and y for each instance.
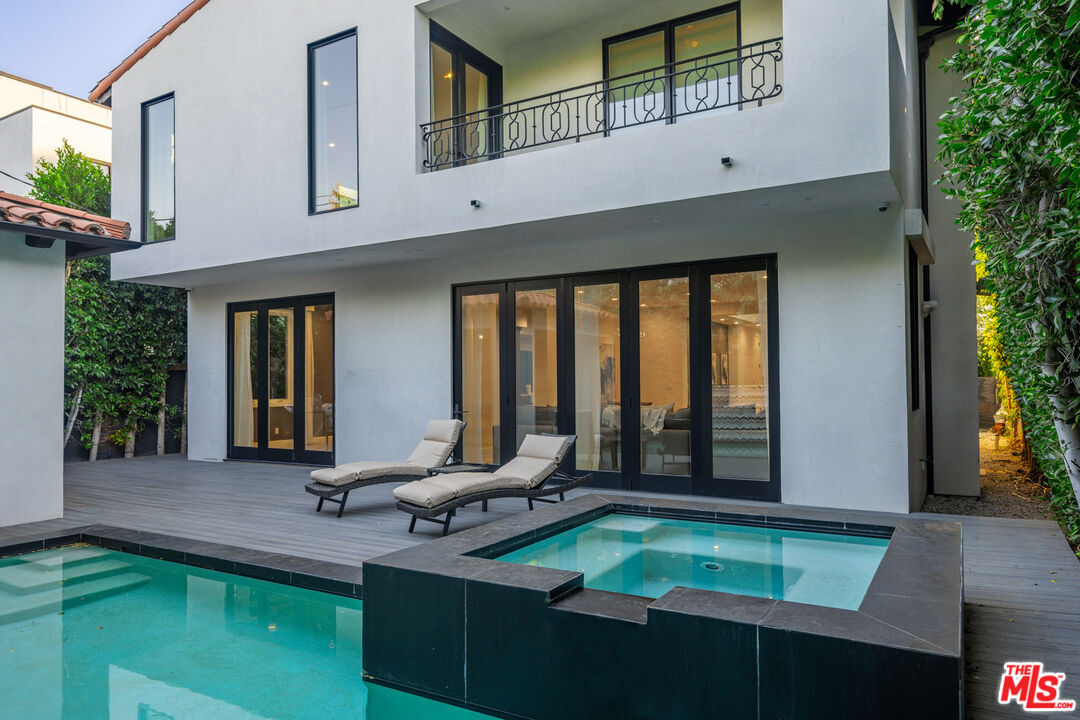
(26, 211)
(151, 42)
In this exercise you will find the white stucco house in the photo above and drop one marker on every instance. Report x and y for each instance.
(36, 239)
(34, 122)
(696, 236)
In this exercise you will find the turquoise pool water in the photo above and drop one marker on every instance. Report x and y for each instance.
(87, 633)
(649, 556)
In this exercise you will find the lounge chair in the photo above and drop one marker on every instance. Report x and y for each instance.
(434, 450)
(529, 476)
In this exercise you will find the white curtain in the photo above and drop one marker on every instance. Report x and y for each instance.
(587, 385)
(243, 407)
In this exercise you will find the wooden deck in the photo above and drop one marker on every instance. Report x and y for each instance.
(1022, 582)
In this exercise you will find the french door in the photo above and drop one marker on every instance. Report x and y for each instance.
(662, 373)
(465, 84)
(281, 380)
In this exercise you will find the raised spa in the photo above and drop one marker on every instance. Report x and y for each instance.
(649, 556)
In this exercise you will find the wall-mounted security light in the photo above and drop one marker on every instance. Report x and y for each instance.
(475, 204)
(726, 161)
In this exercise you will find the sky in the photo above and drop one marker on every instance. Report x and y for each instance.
(72, 44)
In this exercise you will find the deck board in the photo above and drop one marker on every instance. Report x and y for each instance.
(1022, 582)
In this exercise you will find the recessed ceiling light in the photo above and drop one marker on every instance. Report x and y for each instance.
(331, 144)
(325, 83)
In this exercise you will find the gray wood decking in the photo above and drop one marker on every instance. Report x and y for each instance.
(1022, 582)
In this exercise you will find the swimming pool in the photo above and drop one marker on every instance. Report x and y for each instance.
(91, 633)
(649, 556)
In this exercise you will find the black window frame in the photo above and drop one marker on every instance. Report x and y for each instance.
(914, 310)
(144, 152)
(311, 48)
(668, 28)
(629, 476)
(299, 454)
(462, 53)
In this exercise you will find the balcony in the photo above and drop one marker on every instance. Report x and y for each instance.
(730, 80)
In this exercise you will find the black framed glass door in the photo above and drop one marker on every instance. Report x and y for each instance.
(281, 380)
(666, 374)
(465, 83)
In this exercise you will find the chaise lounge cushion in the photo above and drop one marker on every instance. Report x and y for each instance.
(434, 450)
(365, 470)
(436, 490)
(440, 437)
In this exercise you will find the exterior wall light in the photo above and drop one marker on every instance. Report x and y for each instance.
(475, 204)
(726, 161)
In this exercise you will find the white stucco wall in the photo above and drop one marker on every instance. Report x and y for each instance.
(842, 343)
(241, 133)
(953, 327)
(32, 365)
(34, 134)
(16, 150)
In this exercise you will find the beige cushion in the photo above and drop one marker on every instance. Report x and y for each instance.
(423, 493)
(527, 472)
(547, 447)
(365, 470)
(446, 431)
(431, 453)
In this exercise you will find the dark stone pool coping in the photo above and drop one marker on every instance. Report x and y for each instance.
(334, 578)
(910, 622)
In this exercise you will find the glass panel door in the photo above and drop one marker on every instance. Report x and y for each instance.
(319, 377)
(664, 375)
(480, 377)
(477, 133)
(739, 374)
(536, 362)
(245, 379)
(706, 63)
(464, 84)
(597, 377)
(282, 381)
(281, 359)
(641, 96)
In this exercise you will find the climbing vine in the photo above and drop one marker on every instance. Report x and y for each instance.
(1010, 155)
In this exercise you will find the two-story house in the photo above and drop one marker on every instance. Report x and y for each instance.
(692, 234)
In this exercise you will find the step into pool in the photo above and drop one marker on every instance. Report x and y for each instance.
(648, 556)
(91, 633)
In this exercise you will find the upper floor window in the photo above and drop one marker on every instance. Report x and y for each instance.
(158, 170)
(333, 161)
(687, 65)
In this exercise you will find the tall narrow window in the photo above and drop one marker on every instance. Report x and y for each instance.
(332, 133)
(158, 170)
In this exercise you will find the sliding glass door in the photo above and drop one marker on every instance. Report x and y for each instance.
(281, 390)
(662, 373)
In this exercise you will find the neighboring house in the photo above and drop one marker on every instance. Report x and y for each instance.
(35, 120)
(695, 236)
(35, 240)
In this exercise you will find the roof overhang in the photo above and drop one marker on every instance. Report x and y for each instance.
(78, 245)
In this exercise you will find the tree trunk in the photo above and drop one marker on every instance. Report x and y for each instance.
(1068, 432)
(161, 425)
(95, 438)
(129, 444)
(73, 415)
(183, 425)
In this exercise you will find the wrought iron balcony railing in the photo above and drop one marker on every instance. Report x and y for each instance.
(731, 79)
